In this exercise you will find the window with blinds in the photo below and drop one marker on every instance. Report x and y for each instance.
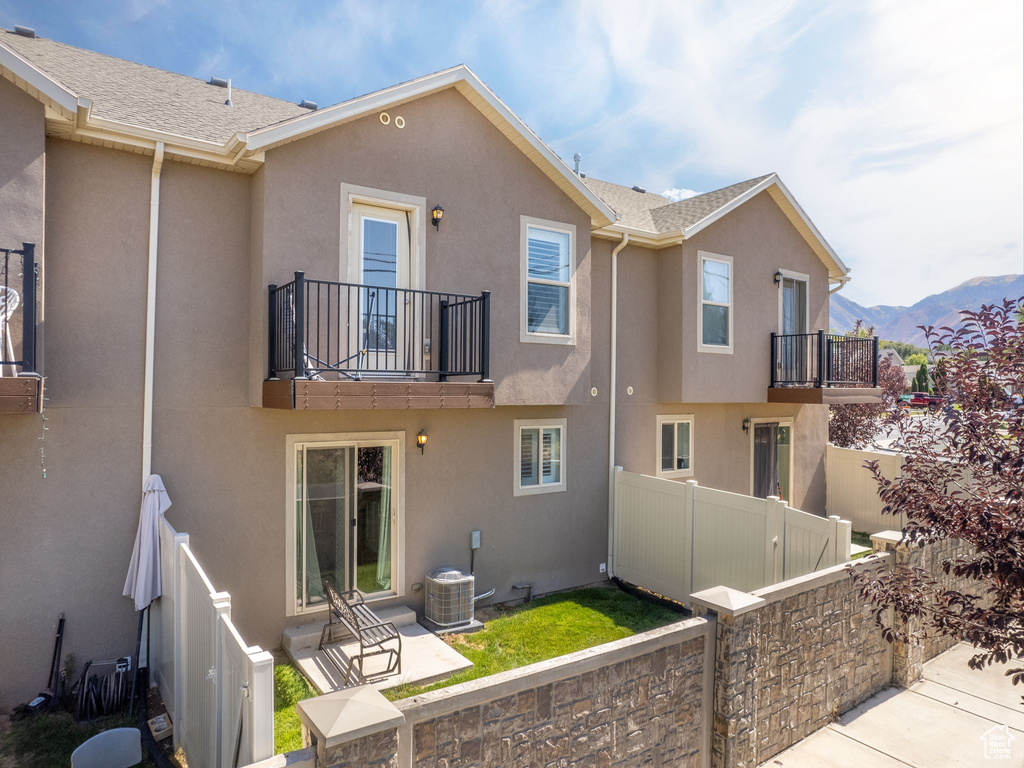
(675, 446)
(547, 254)
(715, 303)
(540, 456)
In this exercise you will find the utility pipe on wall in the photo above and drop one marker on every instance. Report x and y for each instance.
(147, 396)
(611, 402)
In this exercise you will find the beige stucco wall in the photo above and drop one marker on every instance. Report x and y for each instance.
(451, 155)
(761, 240)
(66, 538)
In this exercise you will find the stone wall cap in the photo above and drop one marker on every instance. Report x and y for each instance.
(728, 601)
(888, 537)
(352, 713)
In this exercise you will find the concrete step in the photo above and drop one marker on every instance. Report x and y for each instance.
(307, 636)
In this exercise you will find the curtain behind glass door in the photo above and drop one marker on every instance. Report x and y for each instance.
(322, 544)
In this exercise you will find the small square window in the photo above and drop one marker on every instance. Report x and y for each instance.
(540, 456)
(675, 446)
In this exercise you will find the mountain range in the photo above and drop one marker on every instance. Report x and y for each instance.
(901, 323)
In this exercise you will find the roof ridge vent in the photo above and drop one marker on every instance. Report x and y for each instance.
(307, 104)
(24, 31)
(639, 189)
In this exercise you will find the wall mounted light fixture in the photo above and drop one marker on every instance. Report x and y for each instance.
(435, 216)
(421, 440)
(778, 277)
(746, 425)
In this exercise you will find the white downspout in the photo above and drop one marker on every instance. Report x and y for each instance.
(842, 281)
(611, 402)
(147, 397)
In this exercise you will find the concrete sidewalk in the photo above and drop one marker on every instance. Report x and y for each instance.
(940, 721)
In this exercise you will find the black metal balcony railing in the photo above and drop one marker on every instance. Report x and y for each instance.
(318, 327)
(824, 360)
(18, 280)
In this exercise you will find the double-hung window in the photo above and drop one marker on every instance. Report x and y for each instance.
(675, 446)
(715, 322)
(540, 456)
(547, 304)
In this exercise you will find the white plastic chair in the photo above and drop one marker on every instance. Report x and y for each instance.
(116, 748)
(9, 301)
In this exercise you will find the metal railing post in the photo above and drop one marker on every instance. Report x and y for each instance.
(874, 362)
(300, 328)
(28, 334)
(820, 378)
(272, 332)
(775, 360)
(442, 322)
(485, 336)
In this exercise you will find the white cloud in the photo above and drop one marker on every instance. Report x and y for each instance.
(677, 193)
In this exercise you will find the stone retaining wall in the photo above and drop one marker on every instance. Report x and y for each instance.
(639, 701)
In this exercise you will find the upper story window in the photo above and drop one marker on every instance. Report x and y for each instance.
(675, 446)
(714, 320)
(547, 290)
(540, 456)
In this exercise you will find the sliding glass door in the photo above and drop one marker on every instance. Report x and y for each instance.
(346, 509)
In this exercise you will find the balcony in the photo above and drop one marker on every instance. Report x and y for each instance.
(824, 368)
(339, 346)
(21, 386)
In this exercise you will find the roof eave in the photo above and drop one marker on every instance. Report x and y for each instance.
(60, 98)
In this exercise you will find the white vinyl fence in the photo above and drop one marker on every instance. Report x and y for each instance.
(219, 691)
(679, 538)
(851, 491)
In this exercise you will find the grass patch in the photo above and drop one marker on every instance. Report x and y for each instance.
(862, 539)
(545, 628)
(290, 687)
(47, 739)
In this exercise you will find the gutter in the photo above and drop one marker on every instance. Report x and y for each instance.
(147, 397)
(611, 402)
(841, 281)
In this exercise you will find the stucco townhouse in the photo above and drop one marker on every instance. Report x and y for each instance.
(348, 337)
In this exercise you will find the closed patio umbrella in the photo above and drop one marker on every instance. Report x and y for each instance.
(143, 583)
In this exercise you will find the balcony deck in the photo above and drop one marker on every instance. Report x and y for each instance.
(22, 394)
(824, 368)
(308, 395)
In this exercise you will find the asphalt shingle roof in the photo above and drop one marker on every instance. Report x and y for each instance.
(656, 213)
(148, 97)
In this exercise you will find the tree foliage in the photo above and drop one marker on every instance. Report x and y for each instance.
(903, 349)
(963, 480)
(855, 426)
(917, 358)
(921, 379)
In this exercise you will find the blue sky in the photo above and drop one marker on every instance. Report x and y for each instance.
(898, 125)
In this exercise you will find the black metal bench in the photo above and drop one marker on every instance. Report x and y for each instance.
(348, 610)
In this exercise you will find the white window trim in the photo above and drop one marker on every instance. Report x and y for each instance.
(782, 421)
(526, 336)
(530, 490)
(352, 195)
(677, 418)
(397, 547)
(806, 279)
(703, 256)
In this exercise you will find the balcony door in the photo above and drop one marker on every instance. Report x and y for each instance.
(772, 460)
(382, 250)
(346, 505)
(796, 357)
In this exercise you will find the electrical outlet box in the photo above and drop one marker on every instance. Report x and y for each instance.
(475, 540)
(603, 568)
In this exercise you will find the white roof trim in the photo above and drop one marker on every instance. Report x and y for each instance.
(36, 78)
(324, 118)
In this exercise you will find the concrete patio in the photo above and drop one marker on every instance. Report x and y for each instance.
(938, 722)
(425, 656)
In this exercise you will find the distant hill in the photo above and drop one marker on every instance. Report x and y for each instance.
(900, 323)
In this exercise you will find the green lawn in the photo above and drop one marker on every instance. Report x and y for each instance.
(290, 687)
(548, 627)
(863, 539)
(47, 739)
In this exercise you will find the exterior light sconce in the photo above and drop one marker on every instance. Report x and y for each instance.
(746, 425)
(778, 277)
(435, 216)
(421, 441)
